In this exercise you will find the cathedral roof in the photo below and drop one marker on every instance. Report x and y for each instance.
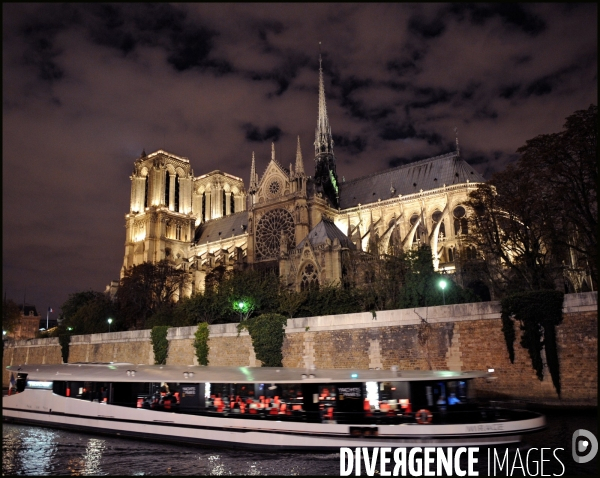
(224, 227)
(431, 173)
(326, 229)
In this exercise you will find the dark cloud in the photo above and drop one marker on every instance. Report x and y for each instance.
(253, 133)
(350, 144)
(426, 29)
(427, 97)
(392, 132)
(509, 91)
(512, 14)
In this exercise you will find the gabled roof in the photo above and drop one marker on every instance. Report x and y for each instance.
(428, 174)
(228, 226)
(326, 229)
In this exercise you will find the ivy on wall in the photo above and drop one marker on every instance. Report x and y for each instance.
(160, 344)
(538, 313)
(267, 332)
(201, 343)
(64, 340)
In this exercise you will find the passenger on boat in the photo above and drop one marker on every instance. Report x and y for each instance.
(453, 399)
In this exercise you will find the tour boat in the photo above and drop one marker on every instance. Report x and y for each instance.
(262, 407)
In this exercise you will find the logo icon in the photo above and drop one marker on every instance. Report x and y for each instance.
(585, 448)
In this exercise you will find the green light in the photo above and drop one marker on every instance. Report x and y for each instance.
(354, 375)
(241, 305)
(443, 284)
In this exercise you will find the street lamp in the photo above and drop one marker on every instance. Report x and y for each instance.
(241, 306)
(109, 322)
(443, 286)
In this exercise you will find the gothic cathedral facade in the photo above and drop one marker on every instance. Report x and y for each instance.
(303, 226)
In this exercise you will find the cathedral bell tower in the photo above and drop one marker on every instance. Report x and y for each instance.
(325, 175)
(160, 222)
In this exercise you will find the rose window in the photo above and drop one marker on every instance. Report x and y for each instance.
(268, 233)
(274, 188)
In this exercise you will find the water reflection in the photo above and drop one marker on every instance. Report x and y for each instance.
(28, 451)
(93, 456)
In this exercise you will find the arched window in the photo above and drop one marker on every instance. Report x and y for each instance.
(471, 252)
(204, 207)
(167, 187)
(177, 193)
(146, 192)
(310, 278)
(224, 203)
(232, 204)
(450, 254)
(460, 220)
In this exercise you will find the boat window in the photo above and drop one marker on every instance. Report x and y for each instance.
(60, 388)
(39, 384)
(373, 394)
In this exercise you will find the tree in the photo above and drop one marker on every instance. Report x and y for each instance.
(147, 287)
(250, 291)
(11, 315)
(421, 287)
(202, 307)
(507, 228)
(290, 301)
(565, 168)
(538, 219)
(87, 312)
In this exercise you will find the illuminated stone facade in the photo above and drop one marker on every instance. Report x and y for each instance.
(303, 226)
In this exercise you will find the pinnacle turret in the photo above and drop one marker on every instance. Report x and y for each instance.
(253, 177)
(299, 161)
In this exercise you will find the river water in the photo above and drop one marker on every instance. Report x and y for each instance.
(29, 450)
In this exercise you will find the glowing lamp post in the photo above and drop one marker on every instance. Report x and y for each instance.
(241, 307)
(109, 322)
(443, 286)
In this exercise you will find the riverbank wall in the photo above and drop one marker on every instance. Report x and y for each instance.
(452, 337)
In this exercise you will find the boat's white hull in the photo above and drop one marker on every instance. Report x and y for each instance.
(45, 408)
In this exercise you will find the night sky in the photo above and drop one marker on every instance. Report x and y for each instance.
(87, 87)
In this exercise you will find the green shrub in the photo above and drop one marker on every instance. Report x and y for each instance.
(267, 333)
(160, 344)
(201, 343)
(64, 340)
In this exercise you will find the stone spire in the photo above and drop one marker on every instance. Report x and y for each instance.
(253, 178)
(272, 151)
(325, 175)
(323, 140)
(299, 161)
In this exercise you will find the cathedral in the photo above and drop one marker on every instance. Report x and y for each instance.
(303, 224)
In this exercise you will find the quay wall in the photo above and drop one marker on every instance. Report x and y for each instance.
(455, 337)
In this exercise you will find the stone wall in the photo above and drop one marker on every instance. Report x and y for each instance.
(455, 337)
